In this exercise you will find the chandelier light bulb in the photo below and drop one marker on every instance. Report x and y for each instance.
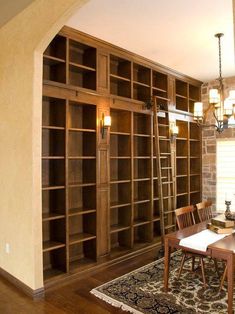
(213, 96)
(222, 108)
(198, 110)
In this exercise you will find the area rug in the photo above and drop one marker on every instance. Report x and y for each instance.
(141, 291)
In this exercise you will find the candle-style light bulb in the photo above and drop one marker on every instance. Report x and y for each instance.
(198, 111)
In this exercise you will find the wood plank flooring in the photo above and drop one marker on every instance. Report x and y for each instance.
(73, 298)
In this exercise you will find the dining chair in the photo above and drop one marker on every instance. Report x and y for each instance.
(223, 278)
(185, 218)
(204, 210)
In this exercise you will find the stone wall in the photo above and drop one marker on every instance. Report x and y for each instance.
(209, 137)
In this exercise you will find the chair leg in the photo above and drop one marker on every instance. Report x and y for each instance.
(181, 265)
(193, 263)
(223, 278)
(216, 267)
(203, 272)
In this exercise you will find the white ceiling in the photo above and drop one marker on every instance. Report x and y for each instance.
(176, 33)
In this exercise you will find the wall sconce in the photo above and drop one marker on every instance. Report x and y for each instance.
(105, 123)
(174, 131)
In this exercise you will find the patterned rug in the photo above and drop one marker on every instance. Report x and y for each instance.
(141, 291)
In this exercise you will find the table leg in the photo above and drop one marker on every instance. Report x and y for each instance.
(166, 264)
(230, 277)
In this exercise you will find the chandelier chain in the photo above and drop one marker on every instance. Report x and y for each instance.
(220, 66)
(223, 109)
(219, 35)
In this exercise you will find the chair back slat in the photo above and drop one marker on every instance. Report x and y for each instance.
(204, 210)
(185, 217)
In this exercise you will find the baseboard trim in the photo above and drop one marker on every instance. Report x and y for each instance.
(62, 280)
(34, 294)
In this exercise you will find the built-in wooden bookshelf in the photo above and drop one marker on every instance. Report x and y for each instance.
(69, 185)
(134, 198)
(141, 82)
(195, 162)
(100, 192)
(132, 80)
(120, 182)
(142, 171)
(120, 77)
(185, 95)
(188, 163)
(68, 61)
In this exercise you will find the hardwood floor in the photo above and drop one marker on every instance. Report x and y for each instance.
(73, 298)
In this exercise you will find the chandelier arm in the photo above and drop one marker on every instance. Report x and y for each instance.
(219, 126)
(206, 111)
(206, 125)
(216, 119)
(216, 99)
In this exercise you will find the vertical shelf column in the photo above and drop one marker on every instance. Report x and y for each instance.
(120, 77)
(103, 69)
(53, 187)
(54, 60)
(81, 185)
(142, 223)
(103, 189)
(195, 163)
(182, 165)
(120, 182)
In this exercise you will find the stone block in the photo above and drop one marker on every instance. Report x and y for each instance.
(208, 133)
(211, 149)
(206, 175)
(211, 141)
(211, 183)
(209, 159)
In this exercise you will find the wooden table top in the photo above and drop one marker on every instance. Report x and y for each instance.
(227, 243)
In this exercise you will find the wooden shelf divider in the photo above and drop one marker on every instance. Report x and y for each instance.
(100, 200)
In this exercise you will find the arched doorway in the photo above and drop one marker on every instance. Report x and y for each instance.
(23, 40)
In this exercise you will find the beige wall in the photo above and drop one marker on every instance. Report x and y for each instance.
(10, 8)
(23, 40)
(209, 136)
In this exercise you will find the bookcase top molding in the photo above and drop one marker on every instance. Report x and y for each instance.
(123, 53)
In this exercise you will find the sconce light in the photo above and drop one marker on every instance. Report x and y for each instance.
(105, 123)
(174, 131)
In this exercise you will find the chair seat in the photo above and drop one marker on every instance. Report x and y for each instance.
(185, 218)
(204, 210)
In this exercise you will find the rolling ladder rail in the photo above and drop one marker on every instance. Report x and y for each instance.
(164, 160)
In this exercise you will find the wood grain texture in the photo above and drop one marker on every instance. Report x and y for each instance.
(100, 196)
(72, 298)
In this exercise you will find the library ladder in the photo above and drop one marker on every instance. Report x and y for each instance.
(164, 157)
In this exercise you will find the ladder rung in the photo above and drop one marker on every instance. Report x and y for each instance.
(168, 196)
(163, 158)
(163, 125)
(169, 212)
(169, 226)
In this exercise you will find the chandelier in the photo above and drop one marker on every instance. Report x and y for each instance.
(223, 108)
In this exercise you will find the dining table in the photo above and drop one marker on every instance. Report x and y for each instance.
(223, 249)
